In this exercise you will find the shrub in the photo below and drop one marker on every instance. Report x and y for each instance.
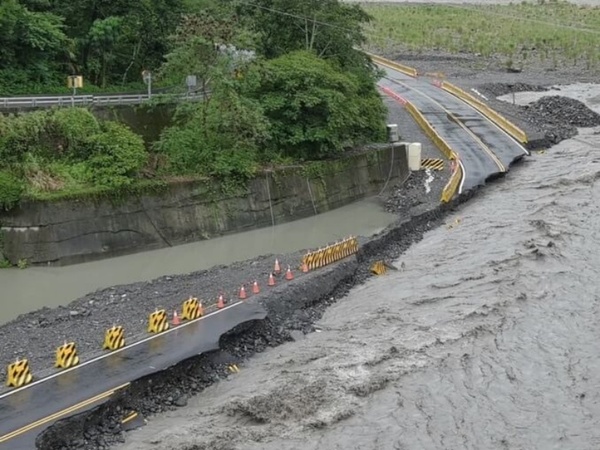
(117, 155)
(11, 189)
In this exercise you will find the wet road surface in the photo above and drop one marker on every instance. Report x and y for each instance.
(487, 339)
(484, 149)
(26, 412)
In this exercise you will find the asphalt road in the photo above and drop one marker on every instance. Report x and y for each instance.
(485, 150)
(25, 412)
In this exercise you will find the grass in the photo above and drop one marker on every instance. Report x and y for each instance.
(548, 30)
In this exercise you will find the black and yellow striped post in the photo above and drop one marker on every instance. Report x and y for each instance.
(66, 356)
(18, 374)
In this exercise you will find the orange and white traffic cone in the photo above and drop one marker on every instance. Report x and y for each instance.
(288, 274)
(176, 320)
(200, 310)
(255, 288)
(243, 293)
(304, 267)
(221, 302)
(277, 269)
(271, 280)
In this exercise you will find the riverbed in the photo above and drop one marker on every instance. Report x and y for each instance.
(37, 287)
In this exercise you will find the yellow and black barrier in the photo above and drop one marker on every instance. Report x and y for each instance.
(488, 112)
(432, 163)
(378, 268)
(191, 309)
(114, 338)
(234, 368)
(18, 374)
(330, 254)
(410, 71)
(66, 356)
(158, 321)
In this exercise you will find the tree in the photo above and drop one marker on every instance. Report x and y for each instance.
(329, 28)
(196, 47)
(30, 41)
(315, 109)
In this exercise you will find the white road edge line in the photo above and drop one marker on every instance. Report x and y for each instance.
(462, 181)
(98, 358)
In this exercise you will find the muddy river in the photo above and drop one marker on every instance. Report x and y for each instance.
(487, 338)
(26, 290)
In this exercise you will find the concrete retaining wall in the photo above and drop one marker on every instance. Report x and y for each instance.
(65, 232)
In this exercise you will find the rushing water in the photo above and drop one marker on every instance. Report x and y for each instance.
(486, 338)
(26, 290)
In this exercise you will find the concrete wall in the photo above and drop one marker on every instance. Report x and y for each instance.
(64, 232)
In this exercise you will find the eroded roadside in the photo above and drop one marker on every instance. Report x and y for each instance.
(170, 390)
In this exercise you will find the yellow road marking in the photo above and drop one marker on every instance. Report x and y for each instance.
(129, 418)
(59, 414)
(485, 148)
(498, 127)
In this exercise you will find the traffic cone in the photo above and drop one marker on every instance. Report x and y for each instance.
(200, 310)
(243, 293)
(289, 275)
(176, 320)
(277, 269)
(255, 288)
(304, 268)
(271, 280)
(221, 302)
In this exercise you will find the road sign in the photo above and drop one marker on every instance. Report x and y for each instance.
(75, 81)
(191, 81)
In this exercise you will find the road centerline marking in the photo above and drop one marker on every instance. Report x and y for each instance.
(59, 414)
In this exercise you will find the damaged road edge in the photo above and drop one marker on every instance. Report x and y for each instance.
(292, 312)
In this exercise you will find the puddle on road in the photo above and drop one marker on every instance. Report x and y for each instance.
(36, 287)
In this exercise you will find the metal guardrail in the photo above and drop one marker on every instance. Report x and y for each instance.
(410, 71)
(85, 100)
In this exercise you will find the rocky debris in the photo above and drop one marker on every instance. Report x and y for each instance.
(101, 427)
(499, 89)
(558, 110)
(411, 194)
(559, 117)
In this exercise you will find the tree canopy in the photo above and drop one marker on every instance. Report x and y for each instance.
(285, 79)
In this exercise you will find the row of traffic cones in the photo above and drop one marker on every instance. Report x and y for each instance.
(255, 288)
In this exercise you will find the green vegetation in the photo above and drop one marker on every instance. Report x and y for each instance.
(298, 91)
(549, 30)
(65, 150)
